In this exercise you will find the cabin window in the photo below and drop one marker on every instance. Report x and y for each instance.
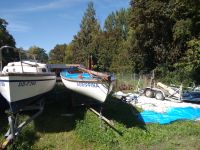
(44, 70)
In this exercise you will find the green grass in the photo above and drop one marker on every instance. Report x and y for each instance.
(55, 130)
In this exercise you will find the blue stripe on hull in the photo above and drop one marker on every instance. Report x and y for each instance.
(25, 80)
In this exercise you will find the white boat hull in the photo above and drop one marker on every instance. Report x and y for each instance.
(98, 91)
(20, 87)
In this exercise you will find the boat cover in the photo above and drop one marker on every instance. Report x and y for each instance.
(172, 114)
(162, 112)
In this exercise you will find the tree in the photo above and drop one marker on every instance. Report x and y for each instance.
(5, 37)
(57, 54)
(113, 40)
(68, 59)
(189, 64)
(160, 30)
(85, 42)
(38, 53)
(23, 53)
(150, 34)
(117, 23)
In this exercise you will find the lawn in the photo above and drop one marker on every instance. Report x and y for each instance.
(56, 129)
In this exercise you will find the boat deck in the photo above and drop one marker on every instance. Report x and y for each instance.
(77, 76)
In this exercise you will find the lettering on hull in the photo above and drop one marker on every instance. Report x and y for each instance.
(87, 84)
(26, 83)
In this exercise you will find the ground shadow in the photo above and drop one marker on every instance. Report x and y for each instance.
(3, 125)
(113, 109)
(27, 136)
(124, 113)
(3, 117)
(58, 114)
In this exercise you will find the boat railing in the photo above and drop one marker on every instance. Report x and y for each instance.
(19, 52)
(1, 54)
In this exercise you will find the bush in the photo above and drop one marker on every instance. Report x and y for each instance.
(173, 76)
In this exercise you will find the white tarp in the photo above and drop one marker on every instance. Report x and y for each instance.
(152, 104)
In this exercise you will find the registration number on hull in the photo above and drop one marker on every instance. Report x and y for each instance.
(26, 83)
(87, 84)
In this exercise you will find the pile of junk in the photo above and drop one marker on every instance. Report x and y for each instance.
(164, 104)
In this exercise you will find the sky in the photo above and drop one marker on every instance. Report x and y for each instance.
(45, 23)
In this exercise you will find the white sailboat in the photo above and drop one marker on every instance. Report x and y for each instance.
(90, 83)
(22, 82)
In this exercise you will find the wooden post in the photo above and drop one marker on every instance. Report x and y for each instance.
(111, 124)
(102, 117)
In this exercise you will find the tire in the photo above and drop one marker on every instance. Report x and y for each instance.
(149, 93)
(159, 95)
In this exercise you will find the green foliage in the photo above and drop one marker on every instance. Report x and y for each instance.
(101, 136)
(61, 54)
(86, 43)
(38, 54)
(25, 140)
(189, 64)
(68, 59)
(23, 54)
(121, 61)
(151, 34)
(160, 31)
(5, 37)
(57, 54)
(173, 76)
(112, 50)
(193, 53)
(182, 29)
(143, 37)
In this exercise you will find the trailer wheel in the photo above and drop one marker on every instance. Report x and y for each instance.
(149, 93)
(159, 95)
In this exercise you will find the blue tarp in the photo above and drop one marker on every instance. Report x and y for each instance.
(172, 114)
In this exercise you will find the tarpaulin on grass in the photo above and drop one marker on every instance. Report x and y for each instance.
(172, 114)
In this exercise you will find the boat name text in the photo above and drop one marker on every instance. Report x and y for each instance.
(26, 83)
(86, 84)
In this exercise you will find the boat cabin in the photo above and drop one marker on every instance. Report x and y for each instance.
(10, 62)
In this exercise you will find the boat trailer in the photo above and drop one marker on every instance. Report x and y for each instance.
(162, 91)
(13, 120)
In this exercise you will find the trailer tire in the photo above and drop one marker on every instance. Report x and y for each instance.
(159, 95)
(149, 93)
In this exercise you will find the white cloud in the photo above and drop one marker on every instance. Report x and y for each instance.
(18, 27)
(43, 7)
(15, 24)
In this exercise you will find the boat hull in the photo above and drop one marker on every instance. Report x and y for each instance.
(98, 91)
(22, 89)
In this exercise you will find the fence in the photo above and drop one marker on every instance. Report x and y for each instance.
(131, 81)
